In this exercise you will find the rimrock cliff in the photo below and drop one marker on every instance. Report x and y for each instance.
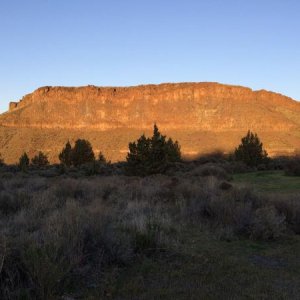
(202, 116)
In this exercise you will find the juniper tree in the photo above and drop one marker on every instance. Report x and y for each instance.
(40, 160)
(251, 151)
(173, 150)
(65, 156)
(101, 158)
(138, 157)
(158, 152)
(24, 162)
(152, 155)
(82, 153)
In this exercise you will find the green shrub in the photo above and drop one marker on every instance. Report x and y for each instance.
(40, 160)
(24, 162)
(82, 153)
(152, 155)
(251, 151)
(65, 156)
(101, 158)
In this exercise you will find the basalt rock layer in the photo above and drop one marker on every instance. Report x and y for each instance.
(203, 117)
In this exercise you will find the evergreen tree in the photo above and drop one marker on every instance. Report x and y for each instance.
(82, 153)
(152, 155)
(65, 156)
(101, 158)
(251, 151)
(40, 160)
(173, 151)
(158, 152)
(138, 158)
(24, 162)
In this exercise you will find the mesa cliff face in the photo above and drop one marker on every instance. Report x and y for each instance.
(202, 116)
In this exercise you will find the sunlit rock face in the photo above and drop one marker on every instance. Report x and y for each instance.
(202, 116)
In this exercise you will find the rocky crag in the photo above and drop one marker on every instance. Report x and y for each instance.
(203, 117)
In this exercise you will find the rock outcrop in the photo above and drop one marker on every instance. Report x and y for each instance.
(202, 116)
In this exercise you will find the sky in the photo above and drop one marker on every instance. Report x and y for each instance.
(129, 42)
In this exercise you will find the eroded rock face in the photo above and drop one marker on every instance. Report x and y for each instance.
(202, 116)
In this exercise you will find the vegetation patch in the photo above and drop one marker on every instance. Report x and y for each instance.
(269, 181)
(148, 228)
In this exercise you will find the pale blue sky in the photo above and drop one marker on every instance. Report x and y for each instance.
(255, 43)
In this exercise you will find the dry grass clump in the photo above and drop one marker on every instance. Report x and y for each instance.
(239, 210)
(61, 235)
(68, 248)
(268, 224)
(289, 206)
(211, 170)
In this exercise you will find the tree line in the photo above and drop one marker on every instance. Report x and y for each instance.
(146, 155)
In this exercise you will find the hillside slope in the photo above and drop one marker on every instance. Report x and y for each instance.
(202, 116)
